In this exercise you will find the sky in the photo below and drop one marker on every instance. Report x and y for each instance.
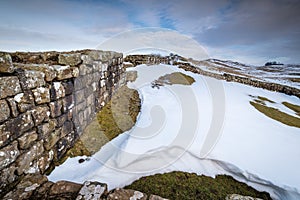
(249, 31)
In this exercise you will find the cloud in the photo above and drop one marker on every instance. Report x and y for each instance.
(228, 28)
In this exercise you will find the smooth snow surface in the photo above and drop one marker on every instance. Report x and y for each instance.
(197, 129)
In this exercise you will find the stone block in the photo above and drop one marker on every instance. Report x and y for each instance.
(4, 110)
(27, 139)
(25, 160)
(25, 101)
(9, 154)
(6, 65)
(25, 189)
(40, 114)
(9, 86)
(7, 176)
(34, 78)
(92, 190)
(69, 87)
(19, 125)
(67, 128)
(51, 139)
(5, 135)
(44, 161)
(69, 59)
(13, 107)
(85, 69)
(65, 72)
(57, 91)
(56, 108)
(79, 96)
(47, 128)
(120, 193)
(41, 95)
(68, 103)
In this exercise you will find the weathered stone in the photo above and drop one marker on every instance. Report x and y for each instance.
(44, 161)
(9, 86)
(240, 197)
(62, 146)
(41, 95)
(85, 69)
(92, 191)
(8, 154)
(4, 111)
(56, 108)
(25, 161)
(26, 140)
(67, 128)
(25, 101)
(69, 87)
(128, 64)
(6, 65)
(69, 59)
(26, 187)
(68, 103)
(13, 107)
(49, 71)
(156, 197)
(51, 139)
(120, 193)
(40, 114)
(57, 91)
(19, 125)
(5, 135)
(7, 176)
(63, 72)
(80, 83)
(79, 96)
(42, 191)
(34, 78)
(47, 128)
(65, 189)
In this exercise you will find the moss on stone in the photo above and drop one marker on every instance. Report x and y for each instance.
(183, 185)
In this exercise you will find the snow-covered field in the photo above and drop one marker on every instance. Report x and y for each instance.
(208, 128)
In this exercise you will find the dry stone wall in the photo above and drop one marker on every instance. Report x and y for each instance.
(173, 60)
(46, 101)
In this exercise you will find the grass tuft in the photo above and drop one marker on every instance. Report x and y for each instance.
(183, 185)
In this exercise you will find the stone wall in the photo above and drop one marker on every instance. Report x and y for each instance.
(46, 101)
(173, 60)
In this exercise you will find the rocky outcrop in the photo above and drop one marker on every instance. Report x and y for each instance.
(46, 101)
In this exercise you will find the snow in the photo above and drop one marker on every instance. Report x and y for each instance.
(208, 128)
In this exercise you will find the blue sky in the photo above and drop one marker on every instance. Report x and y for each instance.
(250, 31)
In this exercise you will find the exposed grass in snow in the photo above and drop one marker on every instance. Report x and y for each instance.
(175, 78)
(277, 114)
(265, 99)
(293, 107)
(120, 113)
(183, 185)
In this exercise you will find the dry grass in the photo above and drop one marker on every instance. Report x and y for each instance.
(183, 185)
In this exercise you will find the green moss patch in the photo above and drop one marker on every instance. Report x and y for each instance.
(183, 185)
